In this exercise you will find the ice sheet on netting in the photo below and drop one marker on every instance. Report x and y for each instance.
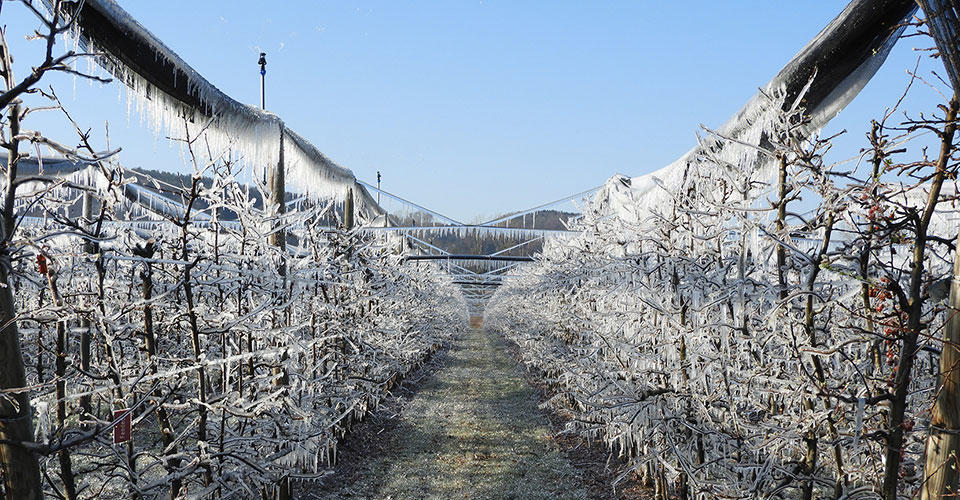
(179, 102)
(827, 73)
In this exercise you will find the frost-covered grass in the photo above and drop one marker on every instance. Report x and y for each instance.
(472, 430)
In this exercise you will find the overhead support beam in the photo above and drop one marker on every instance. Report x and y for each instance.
(503, 258)
(510, 231)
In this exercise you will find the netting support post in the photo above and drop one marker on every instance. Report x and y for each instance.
(348, 211)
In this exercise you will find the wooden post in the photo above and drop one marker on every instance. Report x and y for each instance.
(348, 211)
(909, 337)
(278, 239)
(90, 248)
(278, 195)
(943, 444)
(278, 188)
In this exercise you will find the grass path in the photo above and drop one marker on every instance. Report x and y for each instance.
(472, 430)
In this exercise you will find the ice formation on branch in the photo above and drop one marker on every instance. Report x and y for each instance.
(243, 363)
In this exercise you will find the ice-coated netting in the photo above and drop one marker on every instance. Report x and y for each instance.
(186, 105)
(823, 77)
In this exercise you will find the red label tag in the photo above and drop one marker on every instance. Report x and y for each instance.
(121, 431)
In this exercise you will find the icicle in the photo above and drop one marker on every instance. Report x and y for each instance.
(227, 123)
(858, 422)
(41, 408)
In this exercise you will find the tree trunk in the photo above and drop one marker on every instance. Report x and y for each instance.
(167, 433)
(914, 308)
(943, 443)
(60, 371)
(20, 468)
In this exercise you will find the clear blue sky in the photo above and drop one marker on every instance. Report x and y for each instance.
(480, 107)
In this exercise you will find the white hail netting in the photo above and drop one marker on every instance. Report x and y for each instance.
(488, 233)
(131, 202)
(659, 187)
(246, 130)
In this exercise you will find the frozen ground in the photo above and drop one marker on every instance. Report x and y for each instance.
(471, 430)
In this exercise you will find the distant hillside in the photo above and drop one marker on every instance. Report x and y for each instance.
(170, 182)
(471, 244)
(59, 166)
